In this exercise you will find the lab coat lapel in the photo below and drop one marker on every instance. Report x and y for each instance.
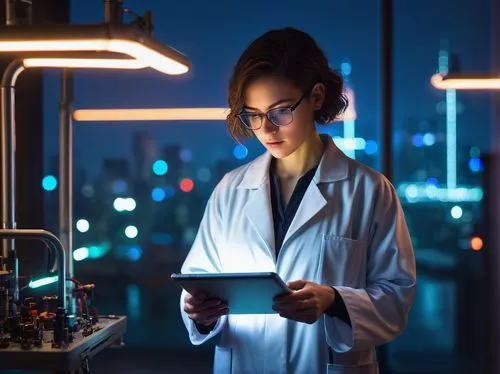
(332, 167)
(312, 202)
(259, 213)
(258, 208)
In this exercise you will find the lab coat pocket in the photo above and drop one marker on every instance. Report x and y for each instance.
(346, 369)
(222, 360)
(344, 261)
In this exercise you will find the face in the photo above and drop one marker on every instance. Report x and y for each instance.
(270, 93)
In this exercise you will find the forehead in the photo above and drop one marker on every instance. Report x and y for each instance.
(264, 92)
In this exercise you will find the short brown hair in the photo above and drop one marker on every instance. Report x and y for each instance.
(290, 54)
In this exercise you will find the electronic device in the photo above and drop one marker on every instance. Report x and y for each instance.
(244, 293)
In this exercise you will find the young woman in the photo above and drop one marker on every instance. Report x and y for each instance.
(328, 225)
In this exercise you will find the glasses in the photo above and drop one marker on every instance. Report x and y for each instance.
(278, 117)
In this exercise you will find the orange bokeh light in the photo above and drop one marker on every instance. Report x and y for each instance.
(476, 243)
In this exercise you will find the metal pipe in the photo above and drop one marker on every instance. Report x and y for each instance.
(8, 159)
(491, 212)
(10, 12)
(386, 23)
(18, 12)
(66, 172)
(113, 11)
(495, 71)
(386, 54)
(51, 240)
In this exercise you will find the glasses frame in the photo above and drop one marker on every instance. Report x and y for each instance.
(290, 108)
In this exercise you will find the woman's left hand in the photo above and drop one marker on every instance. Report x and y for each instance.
(306, 303)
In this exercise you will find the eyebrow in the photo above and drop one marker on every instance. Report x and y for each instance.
(282, 101)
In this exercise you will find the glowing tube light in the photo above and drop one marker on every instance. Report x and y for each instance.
(153, 114)
(62, 43)
(456, 83)
(84, 63)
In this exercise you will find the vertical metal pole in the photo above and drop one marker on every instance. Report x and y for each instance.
(386, 24)
(386, 54)
(491, 213)
(495, 64)
(7, 139)
(10, 12)
(66, 175)
(113, 11)
(491, 262)
(8, 172)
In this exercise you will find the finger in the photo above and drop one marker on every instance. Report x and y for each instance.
(208, 315)
(297, 306)
(206, 306)
(300, 295)
(297, 284)
(199, 298)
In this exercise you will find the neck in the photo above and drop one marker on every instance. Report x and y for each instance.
(303, 159)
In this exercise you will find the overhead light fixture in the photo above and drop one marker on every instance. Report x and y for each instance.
(84, 63)
(462, 82)
(64, 45)
(151, 114)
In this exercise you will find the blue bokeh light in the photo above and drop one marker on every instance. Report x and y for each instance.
(418, 140)
(475, 164)
(371, 147)
(49, 183)
(134, 253)
(119, 186)
(158, 194)
(433, 181)
(186, 155)
(346, 68)
(169, 192)
(429, 139)
(240, 152)
(160, 167)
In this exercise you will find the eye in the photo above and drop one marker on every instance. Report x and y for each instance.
(281, 111)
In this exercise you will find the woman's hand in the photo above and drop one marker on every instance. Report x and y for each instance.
(306, 303)
(204, 310)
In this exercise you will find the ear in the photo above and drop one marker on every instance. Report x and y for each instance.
(318, 95)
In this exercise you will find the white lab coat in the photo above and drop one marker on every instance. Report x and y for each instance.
(349, 232)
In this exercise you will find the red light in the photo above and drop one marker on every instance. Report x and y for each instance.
(187, 185)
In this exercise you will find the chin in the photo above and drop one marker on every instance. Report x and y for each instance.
(279, 153)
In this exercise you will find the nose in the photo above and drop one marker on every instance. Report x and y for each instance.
(268, 126)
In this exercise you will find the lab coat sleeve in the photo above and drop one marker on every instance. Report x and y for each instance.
(203, 258)
(379, 312)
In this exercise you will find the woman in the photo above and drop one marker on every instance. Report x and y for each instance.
(328, 225)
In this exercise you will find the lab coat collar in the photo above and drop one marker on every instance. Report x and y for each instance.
(333, 166)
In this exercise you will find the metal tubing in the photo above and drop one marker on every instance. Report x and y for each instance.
(65, 168)
(113, 11)
(66, 176)
(8, 159)
(54, 242)
(387, 57)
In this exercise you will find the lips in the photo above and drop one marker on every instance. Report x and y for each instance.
(274, 142)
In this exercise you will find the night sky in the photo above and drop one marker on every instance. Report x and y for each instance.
(213, 34)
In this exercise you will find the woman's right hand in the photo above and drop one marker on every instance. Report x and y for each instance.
(204, 310)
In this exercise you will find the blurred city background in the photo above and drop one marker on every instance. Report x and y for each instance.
(140, 188)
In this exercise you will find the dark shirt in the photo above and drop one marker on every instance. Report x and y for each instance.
(283, 216)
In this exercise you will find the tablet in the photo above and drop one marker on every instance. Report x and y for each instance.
(244, 293)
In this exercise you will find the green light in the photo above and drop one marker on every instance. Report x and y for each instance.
(43, 281)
